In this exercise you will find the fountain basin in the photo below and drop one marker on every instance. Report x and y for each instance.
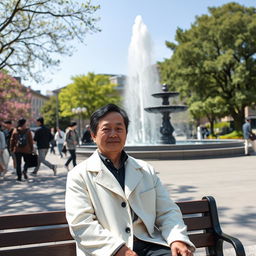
(165, 94)
(183, 150)
(166, 109)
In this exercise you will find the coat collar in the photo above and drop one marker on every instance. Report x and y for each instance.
(106, 179)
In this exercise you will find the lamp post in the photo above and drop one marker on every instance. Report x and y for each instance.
(79, 111)
(57, 110)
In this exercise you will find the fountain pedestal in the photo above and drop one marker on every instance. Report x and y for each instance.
(166, 129)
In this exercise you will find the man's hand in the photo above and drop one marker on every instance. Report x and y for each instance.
(125, 251)
(180, 249)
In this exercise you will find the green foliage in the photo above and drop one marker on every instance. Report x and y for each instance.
(15, 99)
(232, 135)
(221, 125)
(90, 92)
(213, 63)
(35, 33)
(50, 116)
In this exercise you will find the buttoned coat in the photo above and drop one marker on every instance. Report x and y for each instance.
(99, 214)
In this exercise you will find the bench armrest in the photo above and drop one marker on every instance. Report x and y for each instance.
(239, 248)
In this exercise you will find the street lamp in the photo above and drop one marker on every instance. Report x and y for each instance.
(79, 111)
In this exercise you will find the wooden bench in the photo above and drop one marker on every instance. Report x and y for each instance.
(47, 233)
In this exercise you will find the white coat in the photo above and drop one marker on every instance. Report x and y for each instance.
(98, 210)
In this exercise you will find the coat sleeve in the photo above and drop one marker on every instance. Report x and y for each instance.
(168, 216)
(90, 236)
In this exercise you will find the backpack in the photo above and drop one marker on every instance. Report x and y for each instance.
(22, 140)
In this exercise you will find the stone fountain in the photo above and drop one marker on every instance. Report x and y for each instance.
(144, 141)
(166, 109)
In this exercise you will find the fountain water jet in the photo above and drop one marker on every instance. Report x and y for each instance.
(142, 81)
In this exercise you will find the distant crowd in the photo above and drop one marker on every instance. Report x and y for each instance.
(23, 145)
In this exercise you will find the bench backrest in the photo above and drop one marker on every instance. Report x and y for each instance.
(47, 233)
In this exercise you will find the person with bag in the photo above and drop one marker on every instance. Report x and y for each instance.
(71, 141)
(42, 138)
(21, 145)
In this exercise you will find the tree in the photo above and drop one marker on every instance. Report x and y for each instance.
(34, 33)
(212, 108)
(215, 58)
(15, 99)
(49, 113)
(90, 92)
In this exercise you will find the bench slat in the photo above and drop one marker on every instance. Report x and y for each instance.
(192, 207)
(35, 236)
(202, 240)
(198, 223)
(32, 219)
(66, 249)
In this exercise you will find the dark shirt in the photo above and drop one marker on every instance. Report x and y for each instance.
(118, 173)
(43, 137)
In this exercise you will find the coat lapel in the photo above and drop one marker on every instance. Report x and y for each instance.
(104, 177)
(133, 176)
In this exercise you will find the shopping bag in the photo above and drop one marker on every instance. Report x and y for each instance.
(252, 136)
(64, 149)
(32, 160)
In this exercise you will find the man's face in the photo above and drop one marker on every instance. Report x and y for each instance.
(111, 134)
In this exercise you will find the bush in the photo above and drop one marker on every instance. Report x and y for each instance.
(232, 135)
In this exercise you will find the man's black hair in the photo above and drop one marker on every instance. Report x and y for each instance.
(40, 120)
(21, 122)
(103, 111)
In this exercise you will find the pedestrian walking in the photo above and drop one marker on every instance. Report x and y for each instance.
(3, 166)
(8, 130)
(71, 141)
(248, 136)
(60, 139)
(21, 145)
(42, 138)
(52, 142)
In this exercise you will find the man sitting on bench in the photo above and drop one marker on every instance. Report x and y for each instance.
(115, 204)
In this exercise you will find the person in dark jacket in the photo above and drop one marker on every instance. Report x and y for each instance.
(87, 138)
(21, 144)
(42, 138)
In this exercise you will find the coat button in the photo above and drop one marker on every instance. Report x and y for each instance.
(123, 204)
(128, 230)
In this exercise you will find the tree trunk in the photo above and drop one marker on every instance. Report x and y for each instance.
(239, 119)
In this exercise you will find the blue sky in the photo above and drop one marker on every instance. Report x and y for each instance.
(106, 51)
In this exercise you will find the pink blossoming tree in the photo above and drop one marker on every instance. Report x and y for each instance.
(15, 99)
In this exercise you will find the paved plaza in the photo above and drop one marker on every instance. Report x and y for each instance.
(231, 181)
